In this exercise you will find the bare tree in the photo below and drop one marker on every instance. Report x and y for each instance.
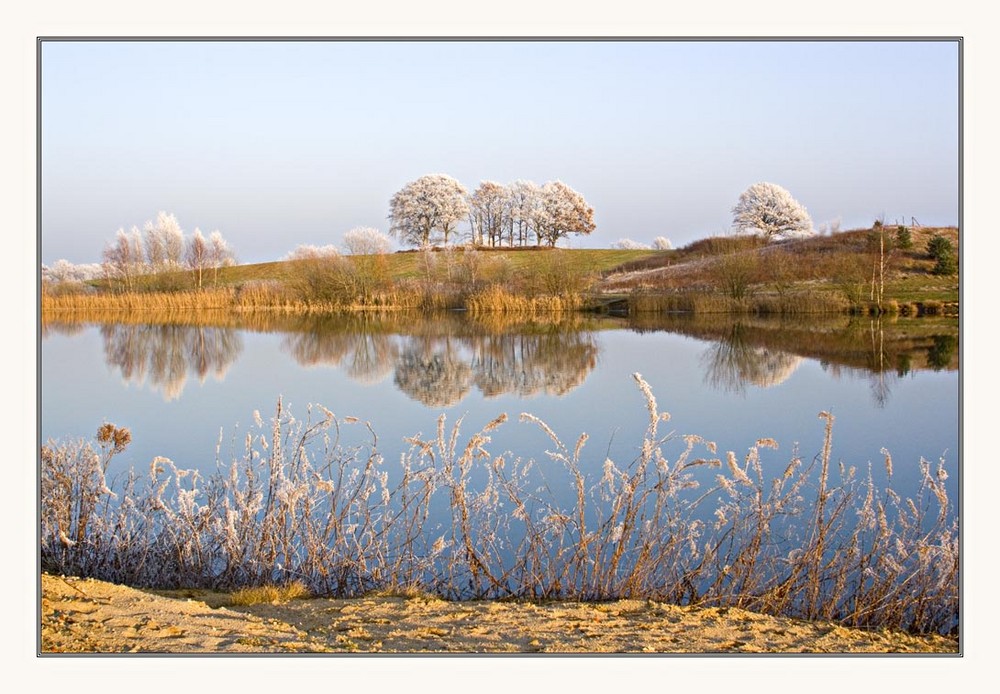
(123, 260)
(219, 254)
(366, 241)
(367, 247)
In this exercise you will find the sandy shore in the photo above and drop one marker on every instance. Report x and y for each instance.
(84, 615)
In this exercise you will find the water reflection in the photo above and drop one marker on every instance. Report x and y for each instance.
(553, 363)
(438, 360)
(366, 357)
(163, 355)
(433, 372)
(765, 351)
(439, 365)
(733, 363)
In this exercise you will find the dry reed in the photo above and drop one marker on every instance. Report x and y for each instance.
(454, 520)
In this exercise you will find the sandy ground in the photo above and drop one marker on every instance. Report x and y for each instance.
(83, 615)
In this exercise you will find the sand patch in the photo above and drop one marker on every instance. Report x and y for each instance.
(84, 615)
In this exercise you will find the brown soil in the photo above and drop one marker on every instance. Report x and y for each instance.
(84, 615)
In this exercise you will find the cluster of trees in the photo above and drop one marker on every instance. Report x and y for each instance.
(162, 247)
(63, 271)
(428, 210)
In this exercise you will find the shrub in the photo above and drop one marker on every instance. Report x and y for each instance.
(735, 272)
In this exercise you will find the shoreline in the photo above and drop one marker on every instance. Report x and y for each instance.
(90, 616)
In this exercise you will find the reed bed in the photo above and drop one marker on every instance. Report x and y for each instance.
(496, 299)
(701, 302)
(814, 539)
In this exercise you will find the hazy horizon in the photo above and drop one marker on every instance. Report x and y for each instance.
(281, 143)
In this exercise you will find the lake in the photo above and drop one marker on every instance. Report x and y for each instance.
(505, 519)
(179, 387)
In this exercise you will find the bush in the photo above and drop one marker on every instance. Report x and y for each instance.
(941, 250)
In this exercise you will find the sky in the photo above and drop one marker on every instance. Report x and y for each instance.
(283, 143)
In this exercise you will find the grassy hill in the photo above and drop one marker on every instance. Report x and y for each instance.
(859, 270)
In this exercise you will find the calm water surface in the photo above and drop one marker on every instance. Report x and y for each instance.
(182, 388)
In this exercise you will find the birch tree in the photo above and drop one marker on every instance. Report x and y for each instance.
(123, 259)
(432, 203)
(220, 254)
(197, 255)
(164, 242)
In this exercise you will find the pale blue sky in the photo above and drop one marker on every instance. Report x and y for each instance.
(282, 143)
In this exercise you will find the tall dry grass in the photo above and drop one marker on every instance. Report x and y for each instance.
(810, 538)
(496, 299)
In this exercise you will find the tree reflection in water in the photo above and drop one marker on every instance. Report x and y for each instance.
(553, 363)
(367, 357)
(437, 363)
(437, 360)
(163, 355)
(432, 371)
(733, 363)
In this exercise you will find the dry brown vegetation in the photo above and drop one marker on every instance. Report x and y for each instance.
(835, 273)
(864, 270)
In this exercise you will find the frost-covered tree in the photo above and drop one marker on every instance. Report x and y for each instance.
(311, 252)
(489, 213)
(61, 271)
(123, 259)
(629, 245)
(662, 243)
(164, 241)
(526, 211)
(220, 254)
(769, 210)
(197, 255)
(366, 241)
(432, 203)
(564, 212)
